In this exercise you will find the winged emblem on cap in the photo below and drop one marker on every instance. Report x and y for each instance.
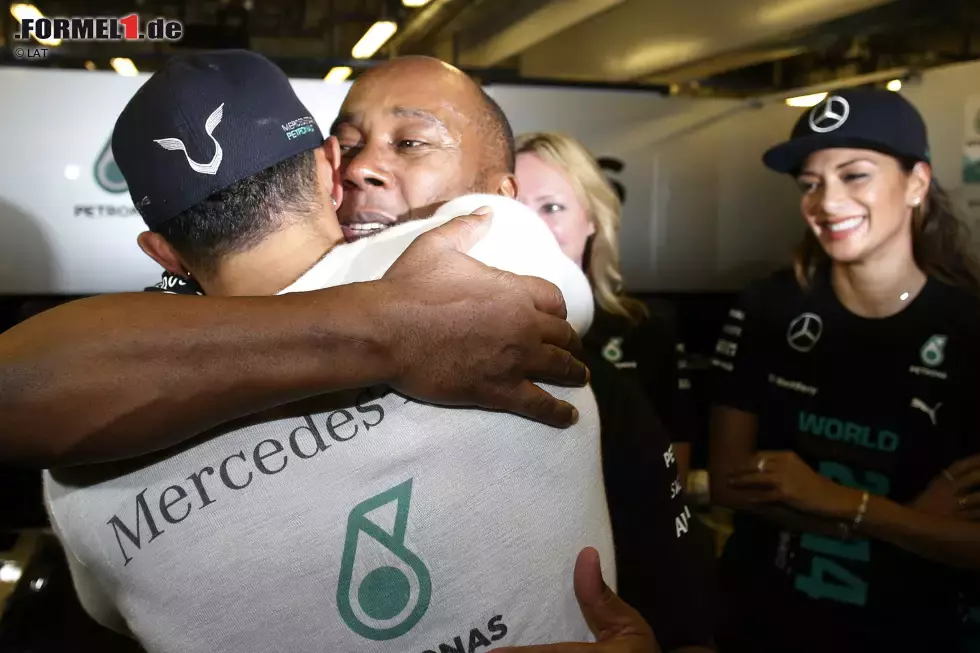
(210, 168)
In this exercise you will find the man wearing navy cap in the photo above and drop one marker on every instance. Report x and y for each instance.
(121, 375)
(367, 525)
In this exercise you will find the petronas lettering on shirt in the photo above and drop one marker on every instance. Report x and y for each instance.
(478, 638)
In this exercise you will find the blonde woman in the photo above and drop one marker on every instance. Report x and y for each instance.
(663, 570)
(561, 181)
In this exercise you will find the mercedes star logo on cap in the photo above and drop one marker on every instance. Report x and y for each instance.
(804, 332)
(830, 114)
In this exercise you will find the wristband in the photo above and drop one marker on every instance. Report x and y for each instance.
(863, 508)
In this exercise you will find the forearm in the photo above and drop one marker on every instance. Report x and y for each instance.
(784, 517)
(726, 496)
(942, 539)
(121, 375)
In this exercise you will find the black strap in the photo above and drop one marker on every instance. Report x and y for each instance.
(174, 285)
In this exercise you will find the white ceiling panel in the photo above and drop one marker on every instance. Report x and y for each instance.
(641, 38)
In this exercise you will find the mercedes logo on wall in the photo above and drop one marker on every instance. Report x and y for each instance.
(804, 332)
(829, 114)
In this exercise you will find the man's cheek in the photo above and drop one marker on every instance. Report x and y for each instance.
(344, 210)
(433, 184)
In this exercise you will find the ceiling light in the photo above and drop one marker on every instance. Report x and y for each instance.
(376, 36)
(72, 172)
(22, 11)
(894, 85)
(337, 74)
(415, 3)
(806, 100)
(124, 66)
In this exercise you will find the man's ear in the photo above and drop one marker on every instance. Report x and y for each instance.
(157, 248)
(331, 170)
(507, 186)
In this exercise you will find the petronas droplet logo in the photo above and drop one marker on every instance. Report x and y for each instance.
(107, 174)
(613, 351)
(384, 588)
(932, 353)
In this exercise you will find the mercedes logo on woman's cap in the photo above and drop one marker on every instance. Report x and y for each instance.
(869, 119)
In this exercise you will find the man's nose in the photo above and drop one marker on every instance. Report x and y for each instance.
(368, 168)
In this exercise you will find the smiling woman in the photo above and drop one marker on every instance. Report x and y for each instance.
(838, 450)
(854, 201)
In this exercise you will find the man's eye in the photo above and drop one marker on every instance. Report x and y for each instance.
(410, 144)
(347, 149)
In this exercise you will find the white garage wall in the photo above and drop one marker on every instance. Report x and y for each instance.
(701, 212)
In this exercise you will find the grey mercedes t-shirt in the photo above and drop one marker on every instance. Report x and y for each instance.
(356, 522)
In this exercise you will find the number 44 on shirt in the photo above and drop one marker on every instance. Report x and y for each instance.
(828, 577)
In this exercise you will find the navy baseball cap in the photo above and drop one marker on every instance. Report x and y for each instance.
(868, 119)
(204, 122)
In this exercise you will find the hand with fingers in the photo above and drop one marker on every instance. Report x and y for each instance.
(618, 628)
(463, 333)
(783, 477)
(954, 493)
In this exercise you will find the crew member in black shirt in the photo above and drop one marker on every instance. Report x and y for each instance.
(563, 183)
(664, 557)
(848, 388)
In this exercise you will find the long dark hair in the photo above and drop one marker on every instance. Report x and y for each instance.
(940, 244)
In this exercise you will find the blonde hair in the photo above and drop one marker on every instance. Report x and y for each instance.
(604, 210)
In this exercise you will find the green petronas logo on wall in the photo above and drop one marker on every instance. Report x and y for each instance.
(384, 589)
(107, 174)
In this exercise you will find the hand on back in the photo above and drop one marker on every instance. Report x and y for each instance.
(462, 333)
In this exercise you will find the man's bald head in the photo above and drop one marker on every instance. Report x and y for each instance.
(489, 118)
(416, 132)
(498, 133)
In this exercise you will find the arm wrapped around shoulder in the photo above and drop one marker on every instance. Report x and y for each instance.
(520, 242)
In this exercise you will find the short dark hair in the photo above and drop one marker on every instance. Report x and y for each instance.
(242, 215)
(496, 129)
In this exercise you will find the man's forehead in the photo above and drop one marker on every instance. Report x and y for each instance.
(355, 113)
(443, 98)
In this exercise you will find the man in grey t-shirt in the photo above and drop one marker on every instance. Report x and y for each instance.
(367, 522)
